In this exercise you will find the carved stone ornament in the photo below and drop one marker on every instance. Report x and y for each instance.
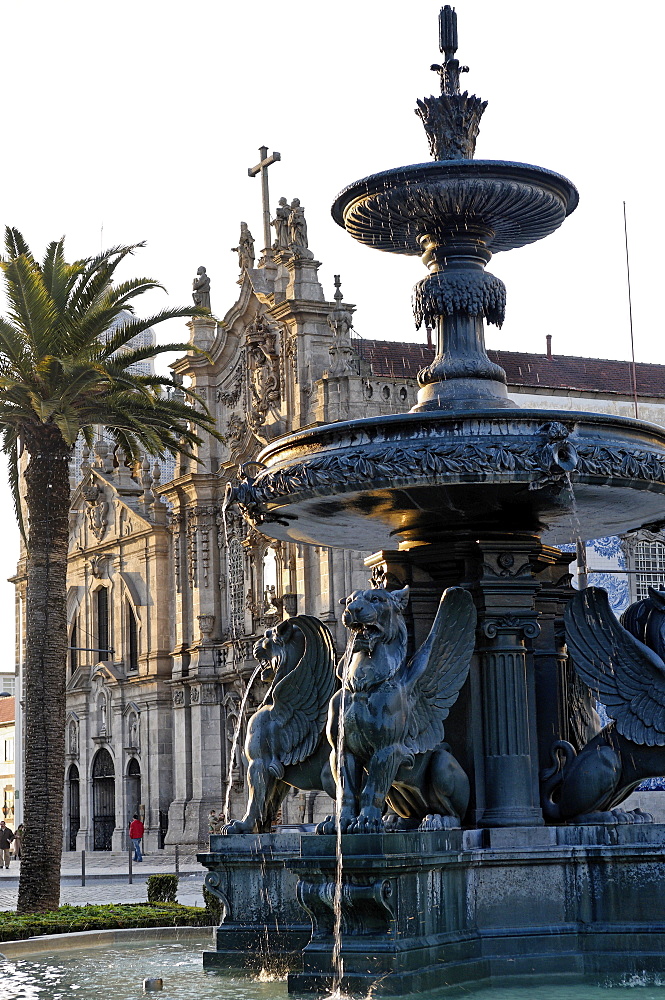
(235, 430)
(444, 293)
(206, 625)
(213, 883)
(343, 358)
(452, 123)
(511, 624)
(368, 905)
(178, 696)
(98, 566)
(231, 395)
(97, 509)
(264, 369)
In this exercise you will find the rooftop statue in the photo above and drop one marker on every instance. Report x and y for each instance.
(628, 677)
(286, 744)
(298, 230)
(393, 710)
(201, 288)
(281, 225)
(245, 249)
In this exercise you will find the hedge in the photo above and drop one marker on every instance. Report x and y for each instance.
(162, 888)
(92, 918)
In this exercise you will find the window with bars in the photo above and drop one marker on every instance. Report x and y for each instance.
(132, 639)
(102, 598)
(236, 587)
(649, 564)
(73, 647)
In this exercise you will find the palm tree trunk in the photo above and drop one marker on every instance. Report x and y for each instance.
(47, 502)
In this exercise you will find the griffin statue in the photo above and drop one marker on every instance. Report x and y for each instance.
(286, 743)
(628, 676)
(385, 724)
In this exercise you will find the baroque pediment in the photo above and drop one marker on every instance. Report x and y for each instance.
(100, 514)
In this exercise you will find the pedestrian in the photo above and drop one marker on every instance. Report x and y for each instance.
(18, 841)
(136, 835)
(6, 837)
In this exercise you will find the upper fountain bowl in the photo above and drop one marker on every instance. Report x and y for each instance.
(511, 203)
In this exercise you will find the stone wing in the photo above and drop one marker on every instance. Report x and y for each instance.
(436, 673)
(627, 676)
(300, 707)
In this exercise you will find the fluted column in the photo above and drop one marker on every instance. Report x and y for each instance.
(509, 791)
(507, 625)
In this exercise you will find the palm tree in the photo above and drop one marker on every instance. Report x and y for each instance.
(66, 368)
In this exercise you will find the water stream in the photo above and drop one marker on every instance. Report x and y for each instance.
(236, 737)
(337, 959)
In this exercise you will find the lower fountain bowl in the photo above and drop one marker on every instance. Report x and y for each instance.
(408, 479)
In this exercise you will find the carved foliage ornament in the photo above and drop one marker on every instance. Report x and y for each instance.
(547, 456)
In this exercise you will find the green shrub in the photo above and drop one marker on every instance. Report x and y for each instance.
(162, 888)
(88, 918)
(213, 907)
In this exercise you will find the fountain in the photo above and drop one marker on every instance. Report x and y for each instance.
(469, 852)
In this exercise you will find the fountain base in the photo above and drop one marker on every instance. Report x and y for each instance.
(263, 927)
(428, 910)
(424, 911)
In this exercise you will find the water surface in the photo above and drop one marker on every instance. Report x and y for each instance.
(117, 973)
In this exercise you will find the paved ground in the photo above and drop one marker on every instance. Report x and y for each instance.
(107, 879)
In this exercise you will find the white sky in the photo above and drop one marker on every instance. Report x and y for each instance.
(143, 117)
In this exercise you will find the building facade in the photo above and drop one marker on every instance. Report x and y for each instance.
(7, 760)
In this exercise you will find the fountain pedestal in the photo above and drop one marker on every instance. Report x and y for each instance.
(425, 911)
(262, 924)
(510, 578)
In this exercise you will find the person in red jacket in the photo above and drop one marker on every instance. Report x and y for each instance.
(136, 835)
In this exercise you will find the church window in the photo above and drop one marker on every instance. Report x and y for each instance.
(73, 647)
(649, 564)
(102, 600)
(236, 587)
(132, 639)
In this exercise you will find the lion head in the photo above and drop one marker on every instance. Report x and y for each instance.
(375, 616)
(278, 651)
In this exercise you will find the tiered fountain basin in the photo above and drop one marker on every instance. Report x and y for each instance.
(406, 479)
(513, 203)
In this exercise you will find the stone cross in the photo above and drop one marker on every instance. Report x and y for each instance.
(262, 168)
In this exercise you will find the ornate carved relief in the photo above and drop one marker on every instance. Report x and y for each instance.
(231, 396)
(96, 508)
(263, 368)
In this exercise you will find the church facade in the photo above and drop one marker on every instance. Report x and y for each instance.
(168, 593)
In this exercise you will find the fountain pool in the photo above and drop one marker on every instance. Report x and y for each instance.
(118, 973)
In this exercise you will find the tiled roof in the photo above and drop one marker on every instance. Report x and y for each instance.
(389, 358)
(6, 710)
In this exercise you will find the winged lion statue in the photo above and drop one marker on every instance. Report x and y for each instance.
(286, 743)
(628, 677)
(386, 722)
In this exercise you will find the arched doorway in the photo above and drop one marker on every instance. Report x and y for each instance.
(133, 788)
(103, 800)
(73, 806)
